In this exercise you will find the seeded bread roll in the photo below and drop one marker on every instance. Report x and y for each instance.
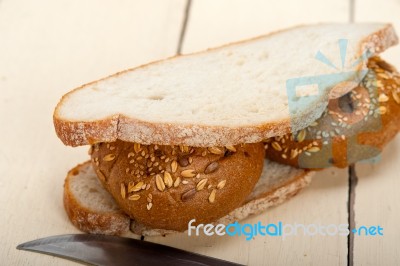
(167, 186)
(102, 215)
(354, 127)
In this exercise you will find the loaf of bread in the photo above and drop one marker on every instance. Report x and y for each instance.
(92, 209)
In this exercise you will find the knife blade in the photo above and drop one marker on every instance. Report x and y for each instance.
(114, 250)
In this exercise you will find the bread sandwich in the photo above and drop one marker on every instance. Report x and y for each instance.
(222, 134)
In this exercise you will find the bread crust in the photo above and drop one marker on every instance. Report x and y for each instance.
(373, 121)
(76, 133)
(88, 220)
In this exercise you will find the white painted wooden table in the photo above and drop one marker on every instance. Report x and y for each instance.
(49, 47)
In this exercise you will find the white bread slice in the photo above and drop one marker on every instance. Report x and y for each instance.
(99, 214)
(89, 206)
(223, 96)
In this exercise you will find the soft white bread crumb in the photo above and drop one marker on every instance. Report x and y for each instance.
(92, 209)
(224, 96)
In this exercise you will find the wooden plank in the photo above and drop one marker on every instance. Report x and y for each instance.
(46, 49)
(376, 203)
(213, 23)
(376, 194)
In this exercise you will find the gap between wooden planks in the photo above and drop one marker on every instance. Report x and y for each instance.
(377, 196)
